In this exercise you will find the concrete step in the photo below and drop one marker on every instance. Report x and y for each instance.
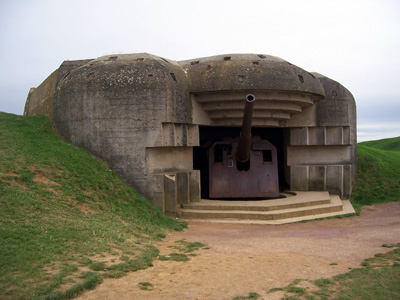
(261, 215)
(303, 206)
(300, 199)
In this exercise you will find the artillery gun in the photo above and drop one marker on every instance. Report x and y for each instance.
(245, 167)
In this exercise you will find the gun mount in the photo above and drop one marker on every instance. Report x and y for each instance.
(245, 167)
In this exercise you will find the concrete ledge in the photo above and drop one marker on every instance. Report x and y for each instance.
(300, 199)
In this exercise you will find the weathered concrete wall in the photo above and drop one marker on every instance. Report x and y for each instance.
(115, 106)
(40, 100)
(248, 72)
(323, 154)
(339, 109)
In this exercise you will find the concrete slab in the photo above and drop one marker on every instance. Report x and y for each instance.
(257, 212)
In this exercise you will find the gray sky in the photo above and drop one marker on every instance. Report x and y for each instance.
(356, 43)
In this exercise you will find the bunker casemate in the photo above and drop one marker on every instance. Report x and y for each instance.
(237, 127)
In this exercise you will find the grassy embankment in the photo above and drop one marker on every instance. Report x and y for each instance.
(378, 173)
(66, 220)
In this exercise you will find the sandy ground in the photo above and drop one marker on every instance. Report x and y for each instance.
(255, 258)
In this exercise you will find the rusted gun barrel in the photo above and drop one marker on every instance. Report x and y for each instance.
(243, 151)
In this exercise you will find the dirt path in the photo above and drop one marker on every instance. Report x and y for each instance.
(256, 258)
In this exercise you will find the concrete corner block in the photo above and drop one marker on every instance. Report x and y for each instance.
(299, 178)
(170, 203)
(334, 179)
(168, 159)
(182, 188)
(316, 135)
(194, 186)
(298, 136)
(334, 136)
(179, 188)
(347, 181)
(180, 134)
(317, 178)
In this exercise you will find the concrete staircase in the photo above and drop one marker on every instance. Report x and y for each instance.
(293, 207)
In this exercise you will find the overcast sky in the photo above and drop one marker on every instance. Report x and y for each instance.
(356, 43)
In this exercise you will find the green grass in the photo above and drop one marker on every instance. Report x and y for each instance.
(183, 247)
(378, 278)
(147, 286)
(391, 144)
(251, 296)
(174, 257)
(187, 247)
(62, 209)
(378, 172)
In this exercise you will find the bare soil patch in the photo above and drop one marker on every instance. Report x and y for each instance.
(256, 258)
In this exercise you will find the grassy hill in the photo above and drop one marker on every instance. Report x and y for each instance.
(65, 216)
(392, 144)
(378, 173)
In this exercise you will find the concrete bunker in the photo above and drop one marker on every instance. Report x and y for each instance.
(155, 121)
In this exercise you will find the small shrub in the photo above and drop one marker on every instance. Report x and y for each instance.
(186, 247)
(323, 282)
(174, 257)
(85, 261)
(251, 296)
(296, 290)
(114, 274)
(97, 266)
(147, 286)
(273, 290)
(124, 258)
